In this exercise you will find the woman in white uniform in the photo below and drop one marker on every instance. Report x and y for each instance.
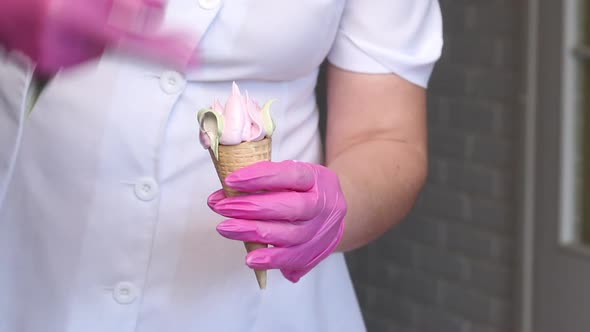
(104, 223)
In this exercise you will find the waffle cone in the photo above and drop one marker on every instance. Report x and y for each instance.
(232, 158)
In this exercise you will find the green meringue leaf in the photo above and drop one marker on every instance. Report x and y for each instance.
(211, 122)
(267, 120)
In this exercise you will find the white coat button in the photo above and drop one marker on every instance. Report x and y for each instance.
(146, 189)
(172, 82)
(209, 4)
(125, 293)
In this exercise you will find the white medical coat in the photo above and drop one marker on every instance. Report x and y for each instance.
(103, 186)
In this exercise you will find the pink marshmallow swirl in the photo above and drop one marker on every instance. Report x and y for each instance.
(242, 120)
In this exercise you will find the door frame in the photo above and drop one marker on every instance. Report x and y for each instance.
(525, 276)
(545, 85)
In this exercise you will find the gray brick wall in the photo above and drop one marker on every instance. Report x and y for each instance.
(451, 265)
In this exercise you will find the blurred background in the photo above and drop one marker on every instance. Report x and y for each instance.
(497, 240)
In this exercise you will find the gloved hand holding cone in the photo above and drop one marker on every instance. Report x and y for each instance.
(236, 136)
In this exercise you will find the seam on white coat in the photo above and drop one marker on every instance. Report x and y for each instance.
(19, 134)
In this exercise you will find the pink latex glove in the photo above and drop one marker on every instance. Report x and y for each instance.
(296, 207)
(62, 33)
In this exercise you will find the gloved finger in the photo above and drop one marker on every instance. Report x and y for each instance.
(287, 206)
(70, 53)
(90, 19)
(303, 257)
(124, 25)
(175, 50)
(136, 15)
(275, 258)
(276, 233)
(156, 4)
(136, 31)
(272, 176)
(293, 275)
(106, 21)
(215, 198)
(62, 46)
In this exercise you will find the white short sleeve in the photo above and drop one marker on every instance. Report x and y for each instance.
(389, 36)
